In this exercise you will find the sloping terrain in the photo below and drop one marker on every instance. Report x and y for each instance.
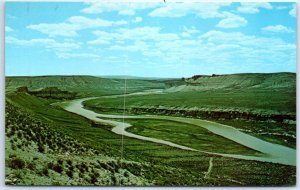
(241, 93)
(38, 155)
(237, 81)
(85, 85)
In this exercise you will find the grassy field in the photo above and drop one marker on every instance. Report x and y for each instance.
(244, 100)
(187, 135)
(48, 145)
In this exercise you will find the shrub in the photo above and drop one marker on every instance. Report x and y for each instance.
(70, 173)
(71, 167)
(12, 156)
(69, 162)
(45, 171)
(13, 147)
(60, 161)
(58, 168)
(41, 148)
(20, 146)
(50, 165)
(19, 134)
(83, 167)
(93, 179)
(17, 163)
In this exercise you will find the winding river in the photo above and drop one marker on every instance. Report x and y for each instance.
(272, 152)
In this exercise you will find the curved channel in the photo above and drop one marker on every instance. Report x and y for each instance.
(272, 152)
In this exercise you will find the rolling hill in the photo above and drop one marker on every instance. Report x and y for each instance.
(237, 81)
(85, 85)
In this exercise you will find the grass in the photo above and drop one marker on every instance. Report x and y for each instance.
(156, 164)
(84, 85)
(202, 104)
(243, 100)
(187, 135)
(63, 161)
(46, 145)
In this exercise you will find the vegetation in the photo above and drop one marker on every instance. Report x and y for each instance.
(187, 135)
(84, 85)
(38, 155)
(46, 145)
(49, 92)
(263, 105)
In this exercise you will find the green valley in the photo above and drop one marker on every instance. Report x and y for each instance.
(46, 143)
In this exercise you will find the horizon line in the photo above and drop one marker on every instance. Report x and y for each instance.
(110, 76)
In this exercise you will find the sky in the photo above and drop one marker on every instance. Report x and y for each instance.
(149, 39)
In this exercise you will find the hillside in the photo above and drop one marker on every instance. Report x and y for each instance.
(38, 155)
(237, 81)
(85, 85)
(273, 93)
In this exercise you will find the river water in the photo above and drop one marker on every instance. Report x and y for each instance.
(272, 152)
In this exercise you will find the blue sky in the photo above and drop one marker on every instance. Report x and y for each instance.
(149, 39)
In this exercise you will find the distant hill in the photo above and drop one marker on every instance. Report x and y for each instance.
(91, 85)
(237, 81)
(134, 77)
(87, 85)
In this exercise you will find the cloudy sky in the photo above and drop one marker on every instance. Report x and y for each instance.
(149, 39)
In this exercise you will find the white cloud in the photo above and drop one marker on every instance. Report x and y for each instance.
(63, 50)
(232, 21)
(60, 29)
(203, 10)
(221, 48)
(99, 41)
(278, 29)
(292, 12)
(188, 32)
(85, 22)
(253, 7)
(210, 49)
(281, 7)
(64, 55)
(146, 33)
(126, 12)
(72, 25)
(185, 34)
(137, 46)
(8, 29)
(134, 34)
(258, 43)
(191, 30)
(137, 19)
(170, 10)
(123, 8)
(43, 42)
